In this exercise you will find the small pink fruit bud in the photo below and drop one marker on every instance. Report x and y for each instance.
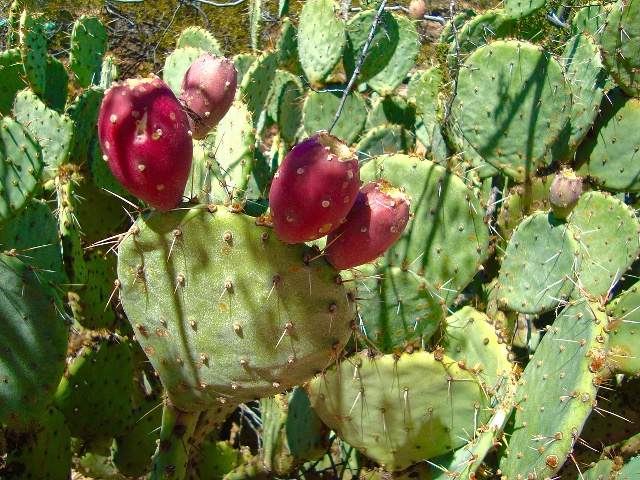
(417, 9)
(144, 134)
(208, 90)
(373, 225)
(564, 192)
(314, 188)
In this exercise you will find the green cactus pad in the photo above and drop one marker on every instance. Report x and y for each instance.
(391, 54)
(33, 48)
(321, 39)
(217, 459)
(423, 92)
(399, 410)
(391, 109)
(198, 37)
(319, 109)
(307, 436)
(221, 169)
(290, 110)
(287, 48)
(255, 21)
(540, 265)
(11, 81)
(447, 35)
(382, 45)
(176, 65)
(88, 46)
(590, 19)
(478, 166)
(172, 455)
(93, 459)
(385, 140)
(625, 334)
(243, 62)
(109, 72)
(521, 201)
(620, 45)
(72, 254)
(256, 83)
(515, 9)
(470, 339)
(512, 127)
(401, 62)
(275, 454)
(586, 77)
(54, 131)
(269, 318)
(21, 170)
(280, 79)
(100, 214)
(57, 84)
(100, 173)
(43, 452)
(95, 393)
(557, 395)
(34, 340)
(607, 231)
(91, 302)
(607, 154)
(478, 31)
(33, 234)
(440, 251)
(83, 112)
(133, 450)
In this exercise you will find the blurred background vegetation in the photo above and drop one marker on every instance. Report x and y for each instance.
(141, 33)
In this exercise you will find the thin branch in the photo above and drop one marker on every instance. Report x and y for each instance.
(356, 72)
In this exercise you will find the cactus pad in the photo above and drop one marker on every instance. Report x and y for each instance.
(607, 155)
(607, 231)
(35, 332)
(20, 175)
(88, 46)
(512, 127)
(621, 45)
(304, 316)
(399, 410)
(540, 265)
(321, 39)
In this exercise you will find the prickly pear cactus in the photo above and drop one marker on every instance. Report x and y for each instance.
(398, 410)
(510, 127)
(560, 384)
(203, 289)
(32, 359)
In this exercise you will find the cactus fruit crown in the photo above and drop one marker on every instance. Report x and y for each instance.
(341, 150)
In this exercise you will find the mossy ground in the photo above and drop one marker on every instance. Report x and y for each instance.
(142, 33)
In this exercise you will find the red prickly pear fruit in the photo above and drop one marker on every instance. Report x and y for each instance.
(373, 225)
(314, 188)
(564, 192)
(208, 90)
(417, 9)
(145, 138)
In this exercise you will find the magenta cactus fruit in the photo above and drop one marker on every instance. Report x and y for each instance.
(145, 138)
(564, 192)
(376, 221)
(314, 188)
(208, 90)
